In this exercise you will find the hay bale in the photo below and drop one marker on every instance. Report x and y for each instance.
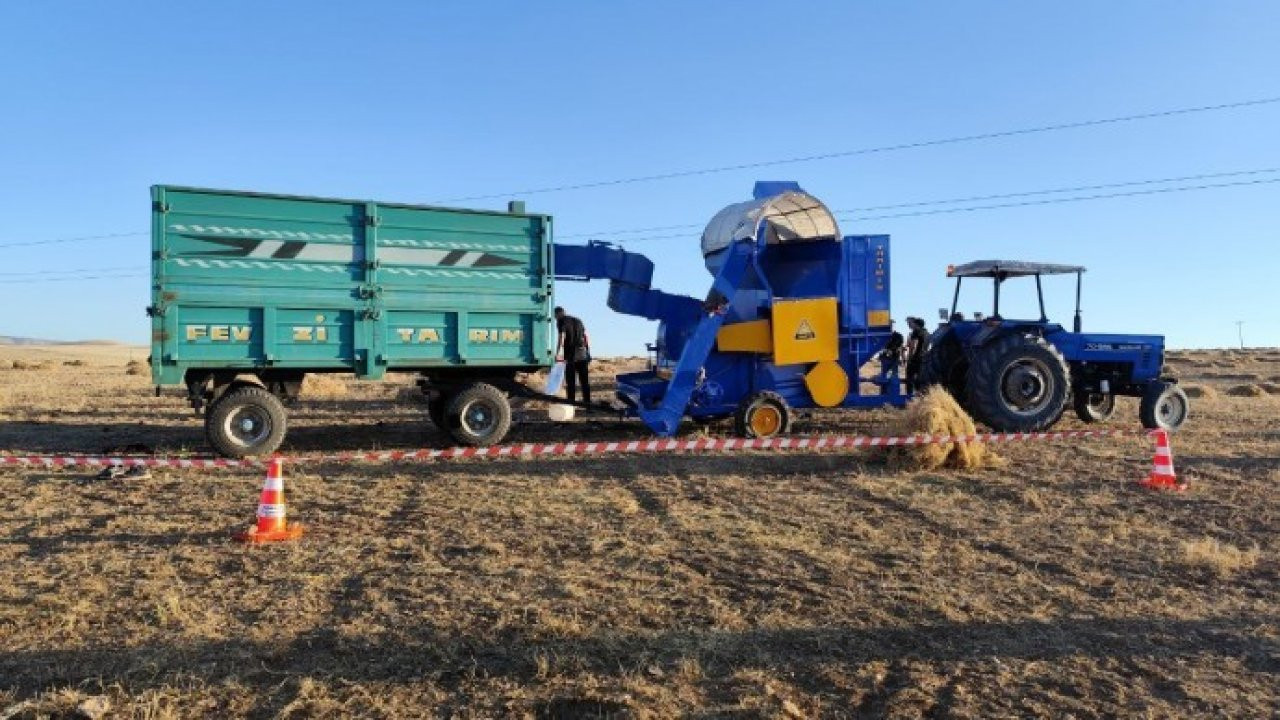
(134, 367)
(1245, 391)
(935, 412)
(323, 386)
(1204, 392)
(29, 365)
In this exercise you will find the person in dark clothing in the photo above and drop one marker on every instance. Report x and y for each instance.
(890, 358)
(576, 347)
(917, 345)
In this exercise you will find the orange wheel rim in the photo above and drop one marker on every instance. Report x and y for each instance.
(766, 421)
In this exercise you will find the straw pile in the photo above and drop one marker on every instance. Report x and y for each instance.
(935, 412)
(1245, 391)
(322, 385)
(1204, 392)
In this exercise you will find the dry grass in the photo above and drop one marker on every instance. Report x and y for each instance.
(937, 413)
(135, 367)
(28, 365)
(322, 386)
(1221, 559)
(658, 586)
(1270, 388)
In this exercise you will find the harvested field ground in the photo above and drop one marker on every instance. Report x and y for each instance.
(744, 586)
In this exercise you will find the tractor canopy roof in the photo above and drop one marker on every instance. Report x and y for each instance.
(1009, 268)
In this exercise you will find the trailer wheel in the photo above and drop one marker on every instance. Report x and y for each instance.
(1164, 406)
(1094, 407)
(479, 415)
(245, 421)
(1019, 383)
(762, 415)
(947, 366)
(437, 410)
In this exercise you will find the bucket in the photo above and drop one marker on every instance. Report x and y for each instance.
(555, 379)
(561, 413)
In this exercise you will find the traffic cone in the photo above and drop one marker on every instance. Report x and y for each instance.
(272, 526)
(1162, 476)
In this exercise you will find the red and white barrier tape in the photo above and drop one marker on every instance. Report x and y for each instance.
(538, 450)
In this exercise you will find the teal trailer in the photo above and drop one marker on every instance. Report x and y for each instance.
(251, 291)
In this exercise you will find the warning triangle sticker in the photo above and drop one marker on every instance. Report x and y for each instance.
(805, 331)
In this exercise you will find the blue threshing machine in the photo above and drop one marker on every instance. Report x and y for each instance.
(794, 311)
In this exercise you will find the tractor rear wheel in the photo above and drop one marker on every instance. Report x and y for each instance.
(1019, 383)
(1164, 406)
(945, 365)
(762, 415)
(1094, 407)
(479, 415)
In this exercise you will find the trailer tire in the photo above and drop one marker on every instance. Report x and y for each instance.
(762, 415)
(246, 421)
(437, 410)
(1094, 407)
(1019, 383)
(479, 415)
(945, 365)
(1164, 406)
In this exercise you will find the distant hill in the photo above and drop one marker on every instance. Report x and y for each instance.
(12, 340)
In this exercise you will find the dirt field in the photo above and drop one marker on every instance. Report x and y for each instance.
(700, 586)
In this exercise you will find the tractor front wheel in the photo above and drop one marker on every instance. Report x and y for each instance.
(762, 415)
(1094, 407)
(1164, 406)
(1019, 383)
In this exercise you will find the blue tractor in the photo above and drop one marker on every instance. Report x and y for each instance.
(1020, 375)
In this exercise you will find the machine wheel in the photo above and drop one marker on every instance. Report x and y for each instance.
(762, 415)
(245, 421)
(479, 415)
(945, 365)
(1018, 383)
(1164, 406)
(1094, 407)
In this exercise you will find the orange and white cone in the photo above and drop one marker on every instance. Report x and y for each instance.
(1162, 476)
(272, 525)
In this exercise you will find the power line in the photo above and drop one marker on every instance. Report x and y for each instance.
(80, 238)
(1053, 201)
(73, 271)
(99, 274)
(1078, 188)
(872, 150)
(1027, 203)
(949, 201)
(108, 276)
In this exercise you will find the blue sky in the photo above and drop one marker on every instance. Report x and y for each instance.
(429, 101)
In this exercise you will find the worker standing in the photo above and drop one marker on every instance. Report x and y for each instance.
(577, 353)
(917, 346)
(890, 359)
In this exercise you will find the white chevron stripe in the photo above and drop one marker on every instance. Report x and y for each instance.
(267, 248)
